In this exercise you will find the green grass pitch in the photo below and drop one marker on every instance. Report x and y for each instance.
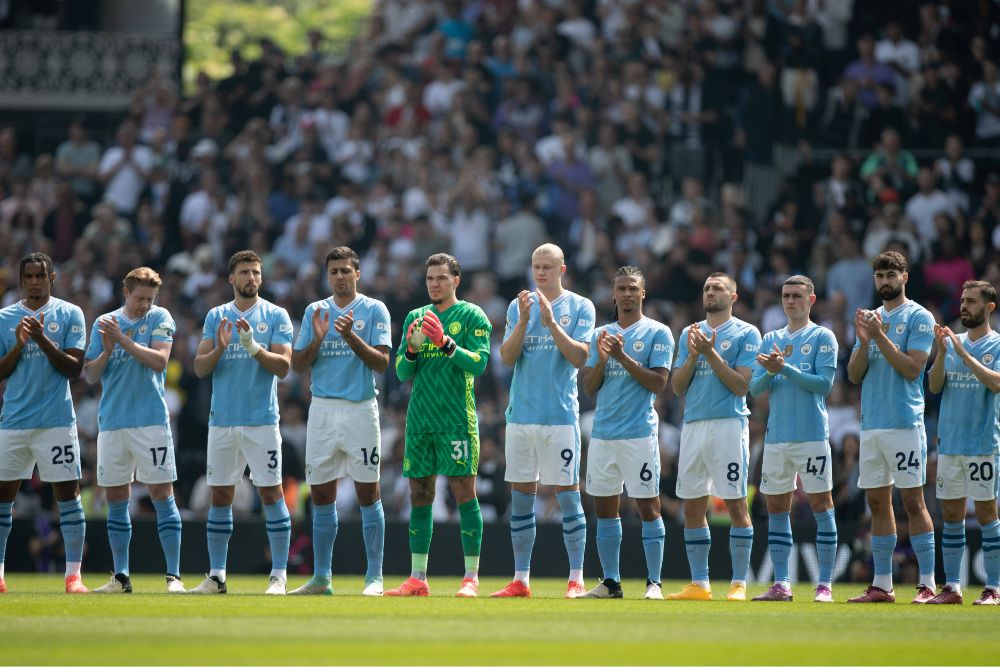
(41, 625)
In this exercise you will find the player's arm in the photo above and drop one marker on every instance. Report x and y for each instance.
(469, 360)
(909, 364)
(766, 368)
(820, 382)
(8, 362)
(213, 345)
(857, 367)
(375, 357)
(154, 357)
(68, 362)
(936, 376)
(409, 348)
(736, 380)
(989, 377)
(513, 344)
(277, 360)
(592, 375)
(314, 330)
(574, 351)
(651, 379)
(685, 365)
(102, 346)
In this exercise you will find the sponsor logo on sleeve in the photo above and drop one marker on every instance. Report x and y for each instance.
(76, 328)
(283, 328)
(381, 326)
(481, 333)
(659, 347)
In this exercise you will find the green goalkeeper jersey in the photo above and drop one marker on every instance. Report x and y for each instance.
(443, 400)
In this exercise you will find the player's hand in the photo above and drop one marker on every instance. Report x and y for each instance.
(251, 346)
(35, 327)
(21, 333)
(345, 324)
(689, 339)
(602, 347)
(433, 328)
(773, 361)
(524, 306)
(956, 344)
(702, 343)
(940, 339)
(415, 337)
(107, 335)
(545, 309)
(615, 346)
(321, 323)
(224, 333)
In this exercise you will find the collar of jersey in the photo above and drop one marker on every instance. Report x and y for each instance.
(807, 327)
(348, 307)
(721, 327)
(244, 313)
(629, 327)
(33, 313)
(897, 309)
(129, 320)
(976, 343)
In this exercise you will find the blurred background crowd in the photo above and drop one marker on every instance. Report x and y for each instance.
(759, 137)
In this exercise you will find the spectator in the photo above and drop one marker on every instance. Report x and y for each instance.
(868, 72)
(124, 170)
(77, 159)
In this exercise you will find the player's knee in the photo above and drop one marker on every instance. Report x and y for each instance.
(986, 512)
(160, 492)
(270, 494)
(821, 502)
(64, 491)
(914, 503)
(367, 493)
(222, 496)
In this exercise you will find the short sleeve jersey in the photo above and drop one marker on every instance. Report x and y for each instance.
(543, 389)
(707, 397)
(132, 394)
(888, 400)
(624, 407)
(243, 393)
(969, 420)
(338, 372)
(37, 395)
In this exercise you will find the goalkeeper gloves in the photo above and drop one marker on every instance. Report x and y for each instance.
(415, 337)
(435, 331)
(249, 344)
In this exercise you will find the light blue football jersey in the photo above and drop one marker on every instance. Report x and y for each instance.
(132, 395)
(243, 393)
(338, 372)
(737, 343)
(624, 407)
(888, 400)
(968, 422)
(798, 415)
(37, 395)
(543, 390)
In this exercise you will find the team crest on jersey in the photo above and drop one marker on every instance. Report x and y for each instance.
(261, 327)
(359, 325)
(638, 346)
(807, 348)
(565, 320)
(725, 345)
(900, 328)
(454, 328)
(142, 330)
(52, 327)
(940, 482)
(763, 479)
(788, 350)
(987, 358)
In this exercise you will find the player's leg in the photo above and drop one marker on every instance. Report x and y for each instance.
(730, 461)
(986, 513)
(152, 451)
(826, 542)
(261, 445)
(876, 478)
(779, 541)
(694, 486)
(17, 463)
(470, 520)
(605, 482)
(119, 526)
(373, 532)
(639, 460)
(653, 537)
(168, 528)
(224, 470)
(325, 524)
(419, 467)
(777, 483)
(952, 539)
(562, 461)
(57, 453)
(521, 449)
(911, 475)
(813, 461)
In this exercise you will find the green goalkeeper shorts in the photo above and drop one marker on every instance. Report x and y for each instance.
(451, 455)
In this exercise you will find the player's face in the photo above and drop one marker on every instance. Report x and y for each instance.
(628, 294)
(36, 283)
(547, 270)
(246, 279)
(441, 285)
(975, 309)
(139, 300)
(889, 283)
(796, 301)
(342, 277)
(716, 296)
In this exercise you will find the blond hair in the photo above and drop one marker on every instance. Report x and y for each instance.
(142, 277)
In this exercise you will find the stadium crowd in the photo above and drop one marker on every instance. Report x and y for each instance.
(760, 137)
